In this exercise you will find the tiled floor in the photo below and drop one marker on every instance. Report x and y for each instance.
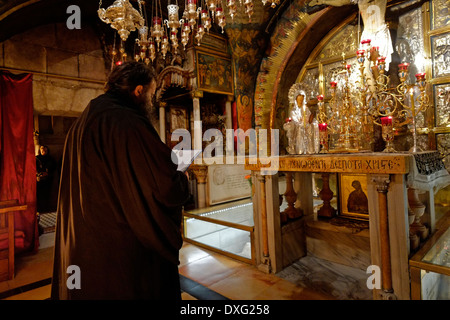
(202, 271)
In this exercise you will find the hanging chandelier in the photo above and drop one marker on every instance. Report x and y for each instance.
(122, 16)
(161, 35)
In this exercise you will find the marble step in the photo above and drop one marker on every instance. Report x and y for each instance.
(330, 278)
(339, 240)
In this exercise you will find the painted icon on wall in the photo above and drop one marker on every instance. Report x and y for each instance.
(214, 73)
(353, 195)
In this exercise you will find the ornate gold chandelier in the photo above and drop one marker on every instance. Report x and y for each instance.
(122, 16)
(162, 35)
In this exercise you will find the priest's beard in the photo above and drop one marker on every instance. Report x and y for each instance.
(145, 103)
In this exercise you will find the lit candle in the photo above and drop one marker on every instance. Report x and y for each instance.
(421, 82)
(322, 127)
(403, 71)
(156, 20)
(403, 66)
(381, 62)
(413, 107)
(360, 54)
(320, 97)
(386, 120)
(420, 76)
(288, 119)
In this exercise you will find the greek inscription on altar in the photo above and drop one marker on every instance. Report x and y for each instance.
(356, 164)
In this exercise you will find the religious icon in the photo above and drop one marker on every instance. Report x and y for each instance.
(214, 73)
(302, 128)
(353, 195)
(178, 119)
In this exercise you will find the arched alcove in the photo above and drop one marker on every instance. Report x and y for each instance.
(294, 38)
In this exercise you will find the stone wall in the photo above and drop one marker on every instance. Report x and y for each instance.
(68, 66)
(68, 69)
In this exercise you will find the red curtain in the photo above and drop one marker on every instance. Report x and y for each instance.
(17, 155)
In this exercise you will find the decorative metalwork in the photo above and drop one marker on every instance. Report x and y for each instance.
(345, 41)
(440, 17)
(410, 42)
(403, 104)
(443, 146)
(442, 100)
(441, 55)
(345, 120)
(333, 73)
(161, 36)
(311, 78)
(359, 102)
(122, 16)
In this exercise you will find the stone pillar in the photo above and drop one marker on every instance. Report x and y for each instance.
(162, 121)
(197, 138)
(382, 186)
(229, 124)
(262, 180)
(265, 264)
(201, 174)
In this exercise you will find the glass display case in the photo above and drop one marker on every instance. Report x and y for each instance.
(226, 228)
(430, 266)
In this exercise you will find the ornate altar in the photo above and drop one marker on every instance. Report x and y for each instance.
(195, 90)
(400, 190)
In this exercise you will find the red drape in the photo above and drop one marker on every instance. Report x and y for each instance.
(17, 155)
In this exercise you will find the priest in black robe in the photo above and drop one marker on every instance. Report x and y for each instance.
(118, 232)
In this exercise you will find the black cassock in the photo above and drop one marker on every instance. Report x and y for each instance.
(119, 208)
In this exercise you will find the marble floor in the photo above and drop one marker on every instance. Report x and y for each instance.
(205, 275)
(340, 281)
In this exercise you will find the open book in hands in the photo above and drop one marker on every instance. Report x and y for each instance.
(184, 158)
